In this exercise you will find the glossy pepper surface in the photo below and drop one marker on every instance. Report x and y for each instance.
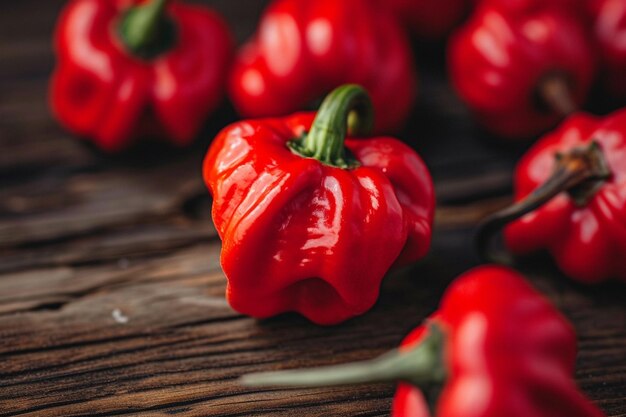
(572, 185)
(609, 30)
(429, 19)
(494, 348)
(303, 49)
(309, 224)
(521, 66)
(132, 69)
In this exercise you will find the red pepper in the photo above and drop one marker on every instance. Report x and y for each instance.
(303, 49)
(610, 35)
(494, 348)
(127, 70)
(520, 68)
(570, 189)
(429, 19)
(573, 7)
(309, 224)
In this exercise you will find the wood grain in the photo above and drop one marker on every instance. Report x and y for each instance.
(111, 293)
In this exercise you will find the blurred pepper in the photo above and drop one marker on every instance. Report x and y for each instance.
(303, 49)
(610, 34)
(129, 69)
(572, 7)
(570, 189)
(494, 348)
(520, 68)
(427, 18)
(309, 224)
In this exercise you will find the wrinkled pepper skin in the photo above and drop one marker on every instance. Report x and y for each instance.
(299, 235)
(429, 19)
(303, 49)
(609, 30)
(101, 91)
(587, 242)
(498, 59)
(509, 352)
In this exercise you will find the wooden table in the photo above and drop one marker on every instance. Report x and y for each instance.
(111, 293)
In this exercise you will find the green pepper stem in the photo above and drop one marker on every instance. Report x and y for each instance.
(347, 107)
(579, 172)
(421, 366)
(141, 25)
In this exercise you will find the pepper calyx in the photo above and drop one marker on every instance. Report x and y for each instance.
(596, 171)
(146, 31)
(346, 108)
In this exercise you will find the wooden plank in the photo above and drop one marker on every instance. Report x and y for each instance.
(175, 343)
(44, 210)
(121, 245)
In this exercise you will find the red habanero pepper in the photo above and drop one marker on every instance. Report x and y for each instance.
(494, 348)
(128, 69)
(429, 19)
(521, 72)
(570, 190)
(303, 49)
(308, 223)
(609, 30)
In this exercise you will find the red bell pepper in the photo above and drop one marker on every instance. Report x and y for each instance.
(520, 68)
(610, 34)
(429, 19)
(308, 223)
(494, 348)
(303, 49)
(127, 69)
(570, 190)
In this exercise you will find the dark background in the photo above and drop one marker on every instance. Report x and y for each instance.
(111, 295)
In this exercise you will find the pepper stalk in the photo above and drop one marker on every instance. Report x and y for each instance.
(145, 29)
(347, 108)
(422, 366)
(580, 172)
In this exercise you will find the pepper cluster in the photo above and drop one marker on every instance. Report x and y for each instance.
(313, 211)
(129, 69)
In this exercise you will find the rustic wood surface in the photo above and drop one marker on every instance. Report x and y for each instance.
(111, 293)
